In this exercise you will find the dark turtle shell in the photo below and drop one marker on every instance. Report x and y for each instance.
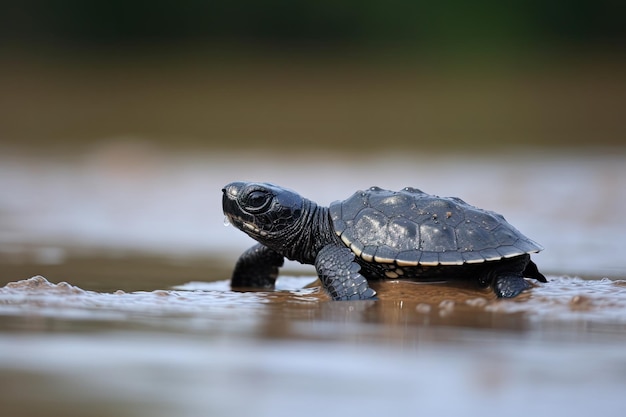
(410, 228)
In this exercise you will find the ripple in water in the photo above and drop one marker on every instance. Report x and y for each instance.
(562, 300)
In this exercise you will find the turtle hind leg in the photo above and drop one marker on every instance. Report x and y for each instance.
(506, 277)
(257, 267)
(509, 285)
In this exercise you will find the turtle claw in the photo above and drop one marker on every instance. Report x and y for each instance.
(368, 294)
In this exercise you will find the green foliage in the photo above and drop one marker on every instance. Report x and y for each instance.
(286, 21)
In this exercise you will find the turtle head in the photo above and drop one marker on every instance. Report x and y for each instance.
(265, 212)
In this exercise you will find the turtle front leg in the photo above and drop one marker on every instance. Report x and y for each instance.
(340, 276)
(257, 267)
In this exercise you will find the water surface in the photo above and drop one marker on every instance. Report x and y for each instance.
(114, 295)
(202, 349)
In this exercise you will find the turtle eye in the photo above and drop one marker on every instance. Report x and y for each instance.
(257, 201)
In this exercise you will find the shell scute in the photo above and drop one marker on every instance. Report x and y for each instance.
(437, 238)
(484, 218)
(505, 235)
(508, 251)
(402, 234)
(429, 259)
(350, 209)
(408, 258)
(385, 255)
(472, 236)
(451, 258)
(528, 246)
(370, 226)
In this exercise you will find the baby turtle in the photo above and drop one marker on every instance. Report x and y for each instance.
(376, 234)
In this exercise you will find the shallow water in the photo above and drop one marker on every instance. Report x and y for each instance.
(147, 324)
(201, 349)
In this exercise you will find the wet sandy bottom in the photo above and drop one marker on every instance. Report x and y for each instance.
(202, 349)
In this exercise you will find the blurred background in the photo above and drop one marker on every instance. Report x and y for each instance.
(120, 121)
(360, 77)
